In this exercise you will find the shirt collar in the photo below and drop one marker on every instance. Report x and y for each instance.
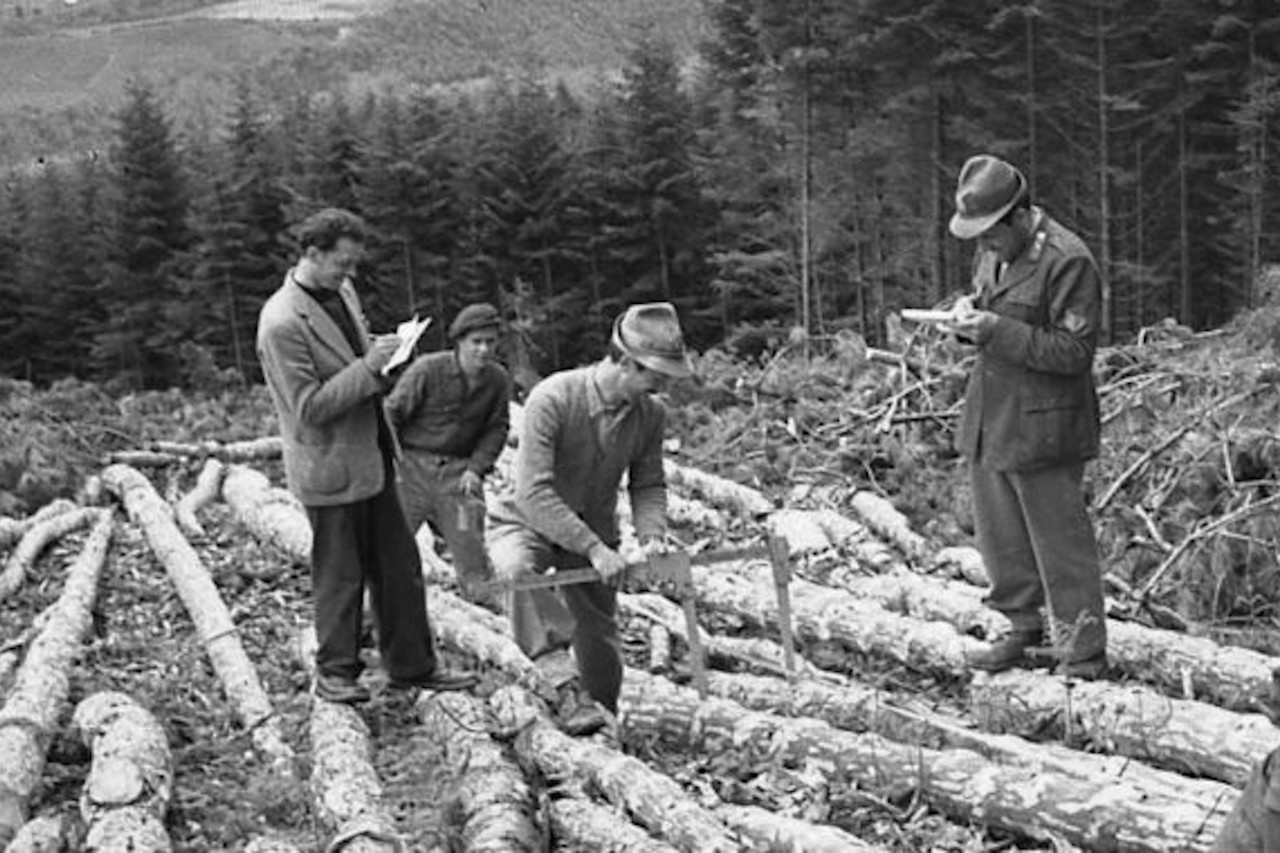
(596, 402)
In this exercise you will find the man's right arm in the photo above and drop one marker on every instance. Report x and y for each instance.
(312, 399)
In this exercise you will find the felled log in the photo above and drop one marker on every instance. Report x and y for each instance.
(50, 833)
(801, 530)
(13, 529)
(127, 792)
(38, 537)
(919, 596)
(779, 833)
(1132, 720)
(717, 491)
(30, 714)
(270, 513)
(962, 561)
(491, 806)
(253, 450)
(142, 458)
(1093, 814)
(345, 786)
(206, 490)
(580, 824)
(883, 518)
(208, 612)
(264, 844)
(854, 537)
(649, 798)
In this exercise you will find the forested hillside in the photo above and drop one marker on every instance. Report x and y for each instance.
(799, 175)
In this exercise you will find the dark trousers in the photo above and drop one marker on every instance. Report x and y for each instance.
(367, 544)
(546, 623)
(1037, 541)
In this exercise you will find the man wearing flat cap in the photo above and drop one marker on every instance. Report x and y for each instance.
(583, 430)
(1031, 421)
(450, 413)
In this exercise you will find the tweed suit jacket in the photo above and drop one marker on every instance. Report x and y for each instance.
(1031, 402)
(325, 395)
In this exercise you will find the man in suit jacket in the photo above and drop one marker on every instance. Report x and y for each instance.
(325, 375)
(1031, 420)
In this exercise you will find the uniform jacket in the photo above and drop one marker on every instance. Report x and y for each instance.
(1031, 401)
(325, 395)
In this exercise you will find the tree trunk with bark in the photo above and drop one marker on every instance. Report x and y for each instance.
(778, 833)
(1130, 720)
(206, 490)
(492, 807)
(36, 539)
(960, 783)
(31, 712)
(883, 518)
(208, 612)
(130, 783)
(51, 833)
(272, 514)
(649, 798)
(345, 786)
(719, 492)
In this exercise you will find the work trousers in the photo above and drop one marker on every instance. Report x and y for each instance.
(367, 544)
(547, 623)
(1038, 544)
(430, 492)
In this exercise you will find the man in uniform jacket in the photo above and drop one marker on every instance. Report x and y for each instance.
(1031, 420)
(325, 375)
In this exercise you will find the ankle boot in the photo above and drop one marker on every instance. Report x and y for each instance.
(1008, 652)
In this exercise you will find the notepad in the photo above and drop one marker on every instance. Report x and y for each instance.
(409, 331)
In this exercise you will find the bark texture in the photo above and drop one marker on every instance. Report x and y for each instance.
(54, 833)
(580, 824)
(13, 529)
(776, 833)
(38, 698)
(208, 612)
(718, 491)
(1088, 813)
(493, 807)
(130, 783)
(649, 798)
(344, 784)
(883, 518)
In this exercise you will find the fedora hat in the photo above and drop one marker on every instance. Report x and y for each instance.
(478, 315)
(650, 334)
(987, 189)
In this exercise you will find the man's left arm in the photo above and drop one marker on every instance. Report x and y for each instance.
(647, 481)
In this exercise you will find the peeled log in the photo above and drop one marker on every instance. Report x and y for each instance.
(13, 529)
(1102, 815)
(30, 714)
(580, 824)
(203, 602)
(269, 447)
(36, 539)
(272, 514)
(884, 518)
(649, 798)
(801, 530)
(719, 492)
(776, 833)
(1193, 737)
(206, 490)
(127, 792)
(491, 805)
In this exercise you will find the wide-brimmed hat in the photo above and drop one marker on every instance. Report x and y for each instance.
(478, 315)
(650, 334)
(987, 189)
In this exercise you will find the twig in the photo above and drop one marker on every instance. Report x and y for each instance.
(1137, 465)
(1199, 533)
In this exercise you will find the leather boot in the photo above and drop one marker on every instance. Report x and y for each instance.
(577, 713)
(1008, 652)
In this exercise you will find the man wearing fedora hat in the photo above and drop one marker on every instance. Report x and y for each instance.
(583, 430)
(1031, 420)
(450, 412)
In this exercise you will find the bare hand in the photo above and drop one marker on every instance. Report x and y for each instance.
(471, 483)
(652, 546)
(607, 562)
(970, 323)
(381, 348)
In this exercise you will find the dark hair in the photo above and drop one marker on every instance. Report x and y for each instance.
(1023, 203)
(323, 229)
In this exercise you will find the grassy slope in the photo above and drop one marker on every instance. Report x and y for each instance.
(194, 58)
